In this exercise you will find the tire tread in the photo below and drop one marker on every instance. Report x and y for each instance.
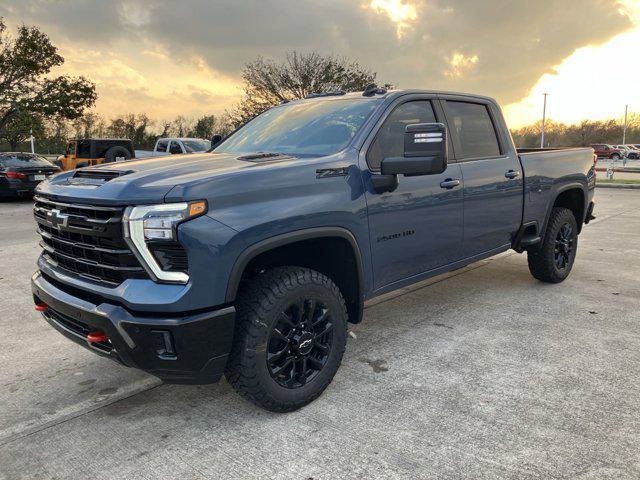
(255, 302)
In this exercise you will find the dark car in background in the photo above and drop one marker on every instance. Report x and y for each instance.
(21, 172)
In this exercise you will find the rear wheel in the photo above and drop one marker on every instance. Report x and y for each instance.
(116, 154)
(289, 338)
(616, 156)
(552, 261)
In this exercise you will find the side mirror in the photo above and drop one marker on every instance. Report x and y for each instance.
(425, 151)
(215, 140)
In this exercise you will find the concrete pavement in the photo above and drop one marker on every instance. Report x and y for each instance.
(484, 374)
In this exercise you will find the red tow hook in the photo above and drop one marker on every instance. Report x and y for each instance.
(97, 336)
(41, 307)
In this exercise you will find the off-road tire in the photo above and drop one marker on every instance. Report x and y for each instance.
(259, 306)
(542, 259)
(115, 152)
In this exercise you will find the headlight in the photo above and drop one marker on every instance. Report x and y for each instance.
(158, 223)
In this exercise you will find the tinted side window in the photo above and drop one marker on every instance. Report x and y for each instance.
(175, 148)
(389, 141)
(474, 128)
(162, 146)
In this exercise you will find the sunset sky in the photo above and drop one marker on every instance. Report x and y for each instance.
(167, 58)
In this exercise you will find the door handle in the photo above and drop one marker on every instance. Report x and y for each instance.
(450, 183)
(512, 174)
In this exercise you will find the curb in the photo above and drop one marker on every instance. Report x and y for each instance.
(619, 169)
(628, 186)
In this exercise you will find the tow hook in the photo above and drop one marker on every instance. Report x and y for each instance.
(97, 336)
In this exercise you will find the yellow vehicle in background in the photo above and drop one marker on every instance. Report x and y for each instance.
(95, 151)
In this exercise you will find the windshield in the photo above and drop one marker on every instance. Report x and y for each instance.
(196, 145)
(307, 129)
(23, 160)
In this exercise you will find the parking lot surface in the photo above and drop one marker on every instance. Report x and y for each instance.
(484, 373)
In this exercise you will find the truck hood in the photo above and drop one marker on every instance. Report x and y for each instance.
(151, 179)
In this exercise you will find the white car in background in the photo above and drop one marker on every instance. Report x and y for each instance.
(176, 146)
(629, 151)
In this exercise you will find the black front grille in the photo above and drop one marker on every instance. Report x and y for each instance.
(86, 240)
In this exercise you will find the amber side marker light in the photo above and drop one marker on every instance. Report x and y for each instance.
(197, 208)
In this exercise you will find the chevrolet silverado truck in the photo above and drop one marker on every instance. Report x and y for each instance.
(249, 260)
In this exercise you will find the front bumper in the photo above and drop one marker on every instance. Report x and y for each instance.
(192, 348)
(16, 188)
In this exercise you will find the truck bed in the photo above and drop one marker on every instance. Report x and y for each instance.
(548, 172)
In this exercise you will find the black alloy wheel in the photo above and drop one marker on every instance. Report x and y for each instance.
(564, 246)
(290, 335)
(552, 260)
(300, 343)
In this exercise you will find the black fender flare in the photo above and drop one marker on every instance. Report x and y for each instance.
(569, 186)
(262, 246)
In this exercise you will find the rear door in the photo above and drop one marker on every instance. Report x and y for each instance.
(493, 180)
(417, 227)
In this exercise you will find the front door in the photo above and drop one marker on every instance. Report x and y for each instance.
(493, 184)
(417, 227)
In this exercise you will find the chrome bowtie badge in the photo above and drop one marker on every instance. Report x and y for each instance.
(57, 219)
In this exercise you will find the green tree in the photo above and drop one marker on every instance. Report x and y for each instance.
(25, 84)
(267, 83)
(20, 127)
(204, 127)
(208, 125)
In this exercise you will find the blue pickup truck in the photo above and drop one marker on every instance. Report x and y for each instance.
(250, 259)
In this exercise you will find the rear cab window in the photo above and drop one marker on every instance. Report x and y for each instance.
(474, 128)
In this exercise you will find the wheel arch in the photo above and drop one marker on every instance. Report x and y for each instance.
(304, 249)
(573, 196)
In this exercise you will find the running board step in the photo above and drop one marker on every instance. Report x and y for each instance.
(529, 240)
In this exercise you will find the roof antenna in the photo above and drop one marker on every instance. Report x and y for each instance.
(372, 89)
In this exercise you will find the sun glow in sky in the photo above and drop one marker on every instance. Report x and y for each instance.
(595, 82)
(399, 12)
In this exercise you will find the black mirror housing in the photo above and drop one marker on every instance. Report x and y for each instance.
(425, 151)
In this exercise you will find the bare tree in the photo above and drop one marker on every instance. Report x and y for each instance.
(267, 83)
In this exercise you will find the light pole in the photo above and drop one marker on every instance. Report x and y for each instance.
(544, 118)
(624, 131)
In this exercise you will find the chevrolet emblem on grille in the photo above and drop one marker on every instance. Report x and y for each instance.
(57, 218)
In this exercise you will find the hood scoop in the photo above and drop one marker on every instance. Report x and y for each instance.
(265, 157)
(95, 177)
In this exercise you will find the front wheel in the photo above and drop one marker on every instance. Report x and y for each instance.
(290, 335)
(552, 261)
